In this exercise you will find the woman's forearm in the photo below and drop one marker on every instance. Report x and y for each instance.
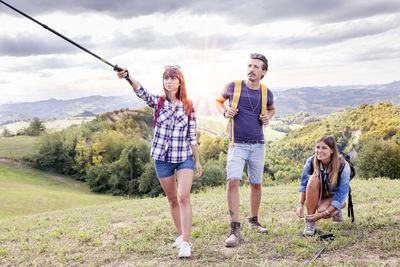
(195, 150)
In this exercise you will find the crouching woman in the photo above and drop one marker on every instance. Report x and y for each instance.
(324, 185)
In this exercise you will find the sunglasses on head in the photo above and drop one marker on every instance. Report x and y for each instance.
(258, 56)
(172, 67)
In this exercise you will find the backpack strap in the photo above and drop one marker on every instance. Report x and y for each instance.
(160, 104)
(235, 101)
(264, 96)
(350, 210)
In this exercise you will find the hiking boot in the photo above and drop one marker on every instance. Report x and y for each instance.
(254, 224)
(178, 242)
(234, 237)
(309, 230)
(338, 218)
(184, 250)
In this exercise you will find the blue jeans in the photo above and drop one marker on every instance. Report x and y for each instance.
(254, 154)
(165, 169)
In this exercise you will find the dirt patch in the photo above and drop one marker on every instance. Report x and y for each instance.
(120, 225)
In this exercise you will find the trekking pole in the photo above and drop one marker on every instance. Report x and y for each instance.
(330, 237)
(115, 67)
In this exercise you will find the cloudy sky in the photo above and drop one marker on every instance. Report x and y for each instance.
(308, 42)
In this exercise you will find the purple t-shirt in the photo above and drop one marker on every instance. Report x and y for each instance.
(246, 123)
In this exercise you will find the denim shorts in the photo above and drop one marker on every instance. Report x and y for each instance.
(254, 154)
(166, 169)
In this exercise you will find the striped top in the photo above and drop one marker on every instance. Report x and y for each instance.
(173, 133)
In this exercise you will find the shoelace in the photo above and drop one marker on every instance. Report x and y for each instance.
(310, 226)
(233, 230)
(256, 224)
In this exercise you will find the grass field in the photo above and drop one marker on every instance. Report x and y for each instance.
(17, 146)
(140, 232)
(25, 191)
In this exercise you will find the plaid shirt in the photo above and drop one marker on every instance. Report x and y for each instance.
(173, 133)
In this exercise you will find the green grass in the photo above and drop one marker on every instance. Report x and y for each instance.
(140, 232)
(25, 191)
(17, 146)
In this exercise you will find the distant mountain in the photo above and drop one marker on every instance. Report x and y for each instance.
(320, 100)
(313, 100)
(325, 100)
(53, 108)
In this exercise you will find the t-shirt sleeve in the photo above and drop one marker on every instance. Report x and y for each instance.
(228, 90)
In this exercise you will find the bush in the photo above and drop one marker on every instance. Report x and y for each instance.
(6, 132)
(378, 158)
(214, 174)
(148, 183)
(98, 178)
(36, 128)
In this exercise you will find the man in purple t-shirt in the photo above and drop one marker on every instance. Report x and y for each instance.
(248, 144)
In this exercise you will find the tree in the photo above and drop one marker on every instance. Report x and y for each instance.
(6, 132)
(36, 127)
(378, 158)
(98, 177)
(147, 182)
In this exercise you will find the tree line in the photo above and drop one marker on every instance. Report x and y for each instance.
(111, 153)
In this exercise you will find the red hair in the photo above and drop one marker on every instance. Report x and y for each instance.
(181, 94)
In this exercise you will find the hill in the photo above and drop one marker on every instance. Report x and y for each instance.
(140, 232)
(381, 121)
(314, 100)
(25, 191)
(18, 146)
(319, 100)
(53, 108)
(330, 99)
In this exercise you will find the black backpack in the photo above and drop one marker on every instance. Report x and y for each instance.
(350, 210)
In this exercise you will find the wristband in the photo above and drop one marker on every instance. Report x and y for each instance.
(224, 113)
(300, 205)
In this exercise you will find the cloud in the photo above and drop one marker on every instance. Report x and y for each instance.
(385, 53)
(338, 32)
(30, 44)
(149, 38)
(246, 12)
(143, 38)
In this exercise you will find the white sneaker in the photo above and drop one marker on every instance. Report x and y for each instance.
(184, 251)
(178, 242)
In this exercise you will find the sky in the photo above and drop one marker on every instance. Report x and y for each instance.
(307, 43)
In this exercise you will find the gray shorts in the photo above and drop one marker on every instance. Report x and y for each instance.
(254, 154)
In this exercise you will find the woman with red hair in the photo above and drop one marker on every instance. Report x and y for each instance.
(174, 146)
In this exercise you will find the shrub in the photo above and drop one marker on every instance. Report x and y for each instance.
(379, 158)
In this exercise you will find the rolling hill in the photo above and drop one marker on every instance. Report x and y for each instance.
(139, 232)
(313, 100)
(381, 121)
(53, 108)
